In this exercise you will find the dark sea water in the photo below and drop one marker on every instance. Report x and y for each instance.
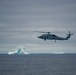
(38, 64)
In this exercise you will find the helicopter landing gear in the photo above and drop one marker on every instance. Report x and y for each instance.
(45, 39)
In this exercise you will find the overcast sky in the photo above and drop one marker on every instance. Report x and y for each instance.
(19, 18)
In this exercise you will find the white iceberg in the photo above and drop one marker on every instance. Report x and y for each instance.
(20, 49)
(58, 52)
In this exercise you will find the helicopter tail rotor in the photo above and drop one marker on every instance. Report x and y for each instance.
(69, 35)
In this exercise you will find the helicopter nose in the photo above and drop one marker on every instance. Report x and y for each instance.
(39, 36)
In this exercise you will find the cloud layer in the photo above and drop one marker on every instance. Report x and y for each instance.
(19, 18)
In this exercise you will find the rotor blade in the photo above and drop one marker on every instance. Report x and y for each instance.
(42, 32)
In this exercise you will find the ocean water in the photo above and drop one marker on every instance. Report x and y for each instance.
(38, 64)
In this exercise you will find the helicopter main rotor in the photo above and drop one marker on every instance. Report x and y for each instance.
(43, 32)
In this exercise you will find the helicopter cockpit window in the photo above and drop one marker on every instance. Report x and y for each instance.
(54, 35)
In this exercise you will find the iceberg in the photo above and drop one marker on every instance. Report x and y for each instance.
(58, 52)
(20, 49)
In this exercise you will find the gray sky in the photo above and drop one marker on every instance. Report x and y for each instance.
(19, 18)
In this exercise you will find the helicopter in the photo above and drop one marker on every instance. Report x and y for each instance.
(49, 36)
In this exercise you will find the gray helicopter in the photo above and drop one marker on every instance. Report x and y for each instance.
(49, 36)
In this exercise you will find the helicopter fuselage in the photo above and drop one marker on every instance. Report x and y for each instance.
(50, 37)
(53, 37)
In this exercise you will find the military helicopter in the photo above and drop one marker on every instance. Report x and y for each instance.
(49, 36)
